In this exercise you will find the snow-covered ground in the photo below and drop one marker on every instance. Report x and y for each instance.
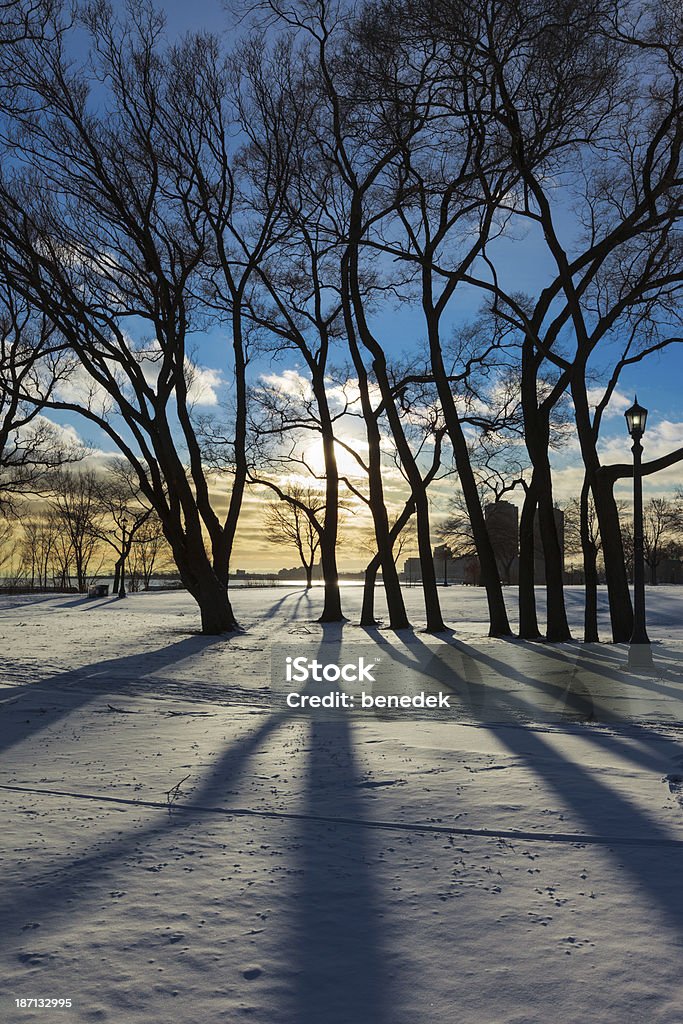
(178, 846)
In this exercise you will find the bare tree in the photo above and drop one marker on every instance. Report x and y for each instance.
(149, 553)
(232, 200)
(354, 143)
(337, 161)
(431, 433)
(8, 546)
(39, 538)
(662, 528)
(77, 512)
(123, 512)
(32, 365)
(294, 521)
(283, 423)
(456, 529)
(152, 188)
(22, 20)
(628, 202)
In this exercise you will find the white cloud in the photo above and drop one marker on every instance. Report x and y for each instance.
(289, 382)
(618, 403)
(62, 433)
(54, 436)
(340, 396)
(660, 438)
(204, 384)
(79, 388)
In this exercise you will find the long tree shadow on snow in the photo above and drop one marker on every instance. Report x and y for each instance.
(585, 693)
(609, 663)
(300, 594)
(33, 708)
(338, 956)
(601, 809)
(51, 893)
(335, 956)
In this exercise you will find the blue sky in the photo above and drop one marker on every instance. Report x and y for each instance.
(196, 15)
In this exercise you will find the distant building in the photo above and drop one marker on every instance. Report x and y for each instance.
(443, 561)
(462, 569)
(669, 570)
(299, 573)
(502, 523)
(412, 572)
(465, 569)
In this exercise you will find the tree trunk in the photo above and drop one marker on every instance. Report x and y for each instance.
(620, 607)
(367, 615)
(488, 567)
(332, 609)
(398, 617)
(537, 438)
(199, 576)
(537, 434)
(435, 623)
(557, 627)
(224, 540)
(214, 607)
(590, 570)
(499, 624)
(391, 586)
(528, 621)
(616, 577)
(590, 616)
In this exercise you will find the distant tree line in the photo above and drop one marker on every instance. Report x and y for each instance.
(86, 523)
(341, 167)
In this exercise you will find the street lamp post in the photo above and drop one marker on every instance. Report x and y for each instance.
(639, 652)
(122, 579)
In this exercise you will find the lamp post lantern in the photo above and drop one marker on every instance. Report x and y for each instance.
(639, 652)
(122, 580)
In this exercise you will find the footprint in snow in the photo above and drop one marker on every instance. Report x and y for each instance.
(371, 784)
(675, 786)
(35, 959)
(541, 919)
(252, 972)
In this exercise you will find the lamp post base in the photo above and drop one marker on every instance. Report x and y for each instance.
(640, 656)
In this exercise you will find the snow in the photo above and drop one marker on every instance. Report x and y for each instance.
(179, 846)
